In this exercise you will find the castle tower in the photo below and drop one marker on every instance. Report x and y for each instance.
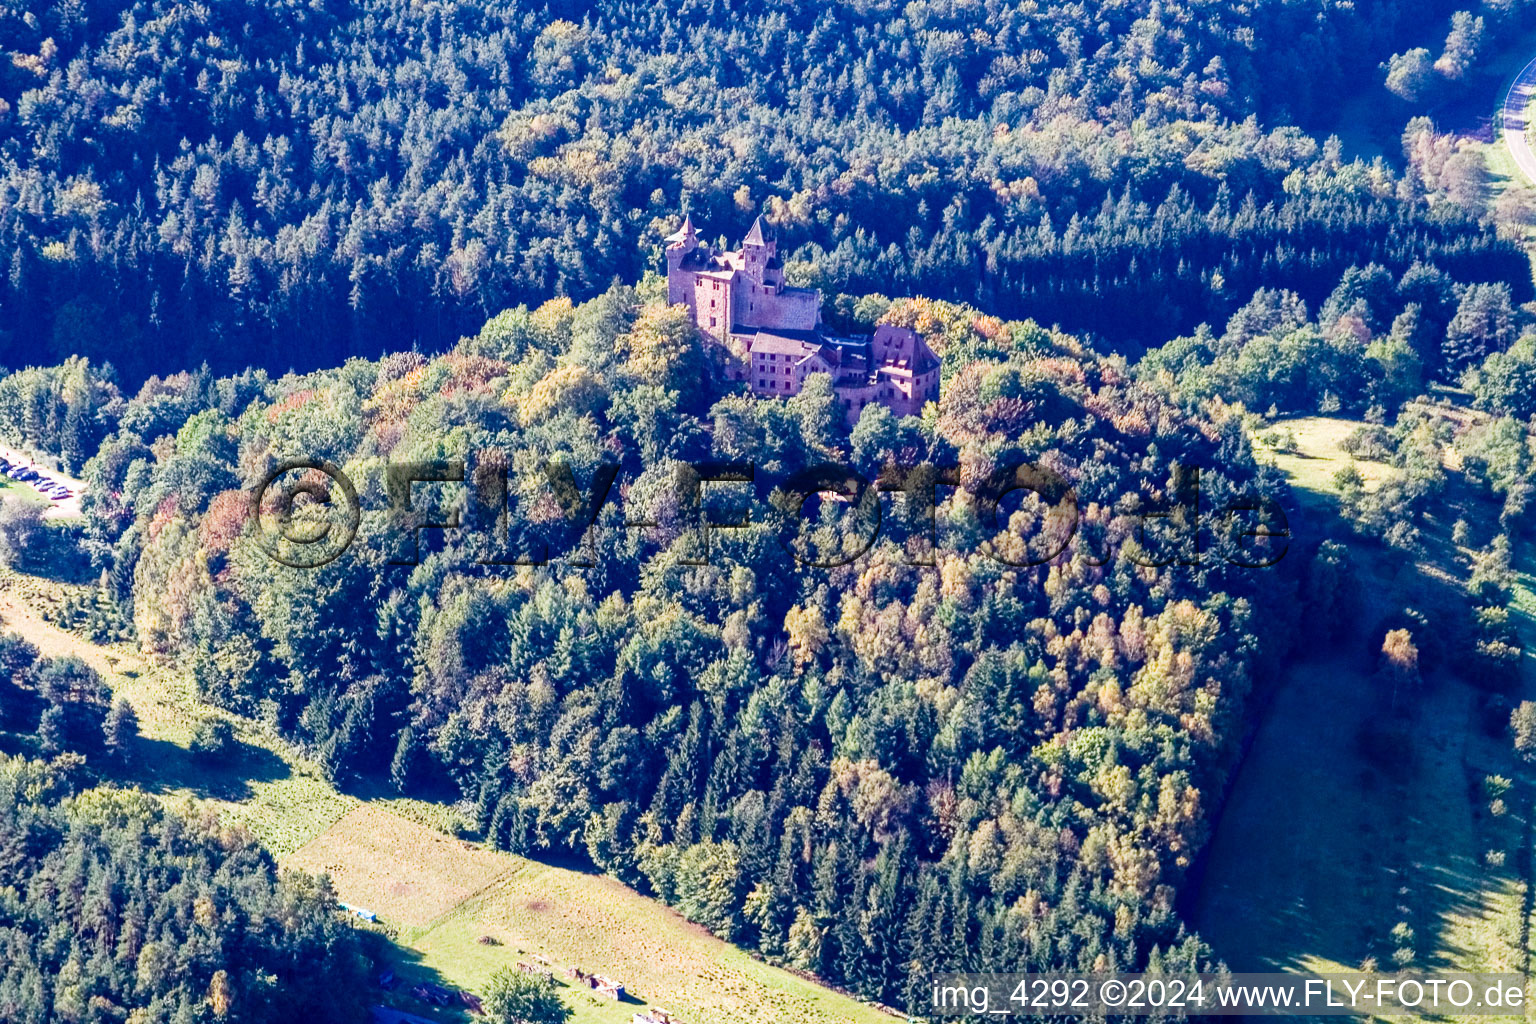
(757, 249)
(679, 244)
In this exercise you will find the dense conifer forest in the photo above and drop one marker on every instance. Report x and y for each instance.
(113, 904)
(286, 185)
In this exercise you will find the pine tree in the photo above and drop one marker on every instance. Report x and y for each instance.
(486, 802)
(884, 924)
(120, 730)
(919, 930)
(498, 832)
(852, 964)
(50, 731)
(522, 833)
(404, 762)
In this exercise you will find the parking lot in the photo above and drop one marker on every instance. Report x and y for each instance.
(62, 492)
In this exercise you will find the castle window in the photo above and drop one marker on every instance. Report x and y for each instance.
(711, 320)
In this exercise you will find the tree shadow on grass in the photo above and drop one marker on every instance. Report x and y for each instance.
(159, 766)
(412, 979)
(373, 784)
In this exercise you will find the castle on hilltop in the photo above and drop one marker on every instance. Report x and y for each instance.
(774, 335)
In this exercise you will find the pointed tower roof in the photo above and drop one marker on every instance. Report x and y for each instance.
(756, 235)
(684, 233)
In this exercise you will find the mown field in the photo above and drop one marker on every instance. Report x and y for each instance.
(599, 925)
(439, 897)
(1321, 851)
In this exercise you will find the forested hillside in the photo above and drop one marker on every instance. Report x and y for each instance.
(995, 736)
(116, 909)
(855, 769)
(287, 184)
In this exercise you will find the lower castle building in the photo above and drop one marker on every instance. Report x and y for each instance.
(774, 335)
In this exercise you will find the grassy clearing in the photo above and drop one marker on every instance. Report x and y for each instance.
(1296, 875)
(266, 786)
(463, 912)
(1317, 455)
(1320, 850)
(436, 894)
(598, 924)
(407, 872)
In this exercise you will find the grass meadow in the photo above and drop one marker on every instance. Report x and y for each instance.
(1321, 851)
(1317, 456)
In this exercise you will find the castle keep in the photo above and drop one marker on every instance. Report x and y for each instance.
(774, 332)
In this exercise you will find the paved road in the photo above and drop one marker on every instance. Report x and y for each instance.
(1516, 103)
